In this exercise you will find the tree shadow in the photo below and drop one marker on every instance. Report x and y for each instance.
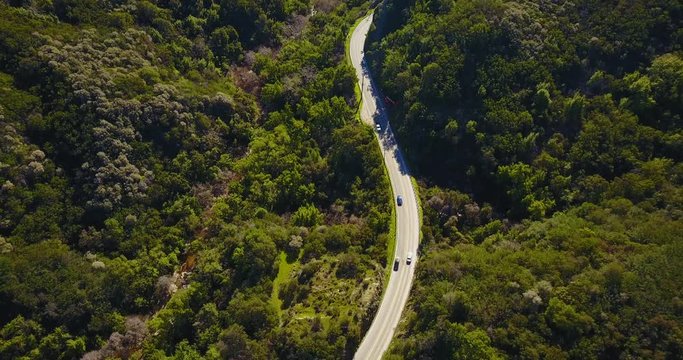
(380, 117)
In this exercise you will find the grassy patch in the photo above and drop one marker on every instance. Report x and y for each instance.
(330, 299)
(202, 86)
(284, 269)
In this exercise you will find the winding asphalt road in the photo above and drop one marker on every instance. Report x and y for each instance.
(378, 337)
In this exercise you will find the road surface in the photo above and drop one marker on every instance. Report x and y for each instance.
(378, 337)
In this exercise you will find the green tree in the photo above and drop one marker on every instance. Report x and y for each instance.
(454, 341)
(19, 337)
(255, 315)
(566, 321)
(225, 45)
(307, 215)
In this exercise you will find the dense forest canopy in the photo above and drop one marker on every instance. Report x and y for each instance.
(188, 179)
(571, 89)
(547, 135)
(185, 179)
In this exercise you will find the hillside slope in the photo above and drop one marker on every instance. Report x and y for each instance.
(162, 160)
(547, 139)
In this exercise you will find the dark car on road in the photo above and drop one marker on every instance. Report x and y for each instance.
(397, 261)
(399, 200)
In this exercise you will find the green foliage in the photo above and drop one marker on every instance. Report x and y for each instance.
(128, 154)
(564, 319)
(256, 315)
(235, 343)
(74, 11)
(458, 343)
(562, 287)
(549, 134)
(67, 284)
(158, 155)
(19, 337)
(478, 87)
(523, 182)
(225, 44)
(307, 216)
(174, 322)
